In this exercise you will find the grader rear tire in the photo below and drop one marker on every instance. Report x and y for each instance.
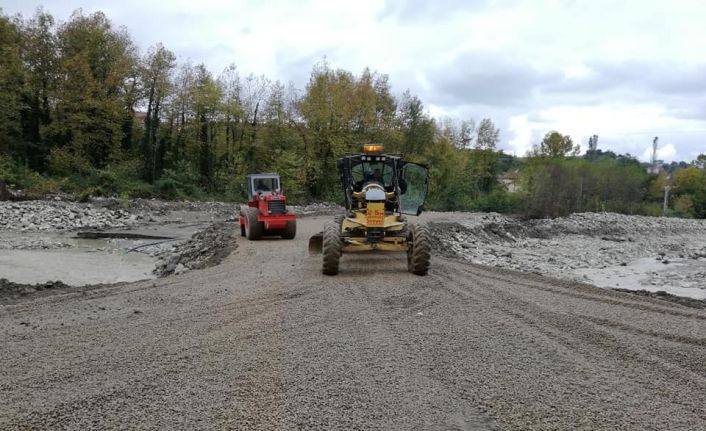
(418, 250)
(253, 228)
(331, 248)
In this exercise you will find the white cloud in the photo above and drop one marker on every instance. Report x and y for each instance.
(521, 130)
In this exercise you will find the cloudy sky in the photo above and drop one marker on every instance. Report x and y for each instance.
(624, 70)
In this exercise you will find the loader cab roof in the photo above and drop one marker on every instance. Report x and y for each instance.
(263, 183)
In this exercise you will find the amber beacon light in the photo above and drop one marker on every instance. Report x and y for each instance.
(371, 148)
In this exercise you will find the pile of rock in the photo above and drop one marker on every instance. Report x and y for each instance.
(60, 215)
(205, 249)
(566, 247)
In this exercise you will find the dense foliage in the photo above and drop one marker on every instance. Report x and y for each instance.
(82, 111)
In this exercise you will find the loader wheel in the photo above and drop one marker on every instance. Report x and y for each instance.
(331, 248)
(290, 231)
(418, 250)
(253, 228)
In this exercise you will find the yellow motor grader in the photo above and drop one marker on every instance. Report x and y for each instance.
(379, 190)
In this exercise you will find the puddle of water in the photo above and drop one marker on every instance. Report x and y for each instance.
(74, 266)
(85, 261)
(681, 277)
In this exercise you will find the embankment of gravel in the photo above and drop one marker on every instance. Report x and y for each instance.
(205, 248)
(32, 216)
(606, 249)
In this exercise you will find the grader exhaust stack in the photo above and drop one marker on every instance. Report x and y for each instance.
(379, 189)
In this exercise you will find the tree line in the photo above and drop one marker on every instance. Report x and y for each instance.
(83, 111)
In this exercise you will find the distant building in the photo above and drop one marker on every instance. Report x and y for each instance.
(510, 180)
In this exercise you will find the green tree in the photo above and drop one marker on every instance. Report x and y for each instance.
(207, 95)
(700, 161)
(156, 70)
(328, 115)
(419, 128)
(40, 64)
(555, 144)
(488, 135)
(559, 186)
(11, 84)
(233, 113)
(96, 59)
(690, 184)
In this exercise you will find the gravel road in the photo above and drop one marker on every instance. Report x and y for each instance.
(264, 341)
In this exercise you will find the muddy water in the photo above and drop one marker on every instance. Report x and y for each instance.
(50, 256)
(76, 267)
(74, 261)
(681, 277)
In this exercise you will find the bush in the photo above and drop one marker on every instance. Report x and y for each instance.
(684, 206)
(499, 201)
(179, 182)
(18, 176)
(555, 187)
(64, 163)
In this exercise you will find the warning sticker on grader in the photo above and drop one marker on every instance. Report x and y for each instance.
(376, 214)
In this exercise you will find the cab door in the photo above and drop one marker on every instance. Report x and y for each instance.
(416, 178)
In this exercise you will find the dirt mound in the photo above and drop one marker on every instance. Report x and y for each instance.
(8, 289)
(205, 248)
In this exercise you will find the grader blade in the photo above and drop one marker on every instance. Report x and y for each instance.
(316, 243)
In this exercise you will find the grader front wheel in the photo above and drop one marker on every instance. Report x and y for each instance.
(331, 248)
(418, 250)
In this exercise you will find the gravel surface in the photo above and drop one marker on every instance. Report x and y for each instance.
(264, 341)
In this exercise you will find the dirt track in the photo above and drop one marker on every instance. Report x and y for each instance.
(263, 341)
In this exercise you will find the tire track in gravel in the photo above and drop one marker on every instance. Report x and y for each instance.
(264, 341)
(581, 338)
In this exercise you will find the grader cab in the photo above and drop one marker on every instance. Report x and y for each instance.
(379, 191)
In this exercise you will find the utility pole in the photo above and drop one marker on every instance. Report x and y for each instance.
(593, 145)
(654, 155)
(667, 189)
